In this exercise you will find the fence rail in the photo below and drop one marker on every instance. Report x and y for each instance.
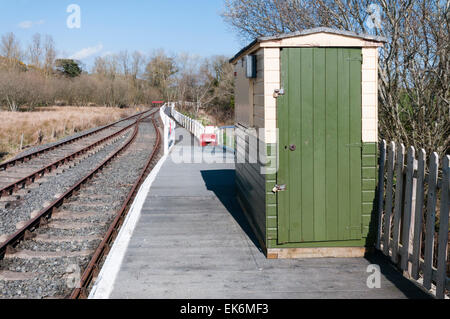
(193, 126)
(410, 198)
(225, 135)
(169, 128)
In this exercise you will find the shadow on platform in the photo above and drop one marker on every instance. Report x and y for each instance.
(222, 183)
(396, 277)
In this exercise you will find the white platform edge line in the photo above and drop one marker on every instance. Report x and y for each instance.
(104, 284)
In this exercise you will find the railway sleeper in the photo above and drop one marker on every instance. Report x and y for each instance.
(84, 215)
(50, 265)
(70, 244)
(89, 231)
(58, 168)
(74, 225)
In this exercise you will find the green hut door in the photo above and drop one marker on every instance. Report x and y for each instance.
(319, 121)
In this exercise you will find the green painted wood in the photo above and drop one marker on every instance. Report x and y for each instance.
(306, 152)
(251, 189)
(355, 138)
(321, 115)
(283, 161)
(331, 166)
(320, 233)
(295, 182)
(343, 145)
(314, 244)
(369, 185)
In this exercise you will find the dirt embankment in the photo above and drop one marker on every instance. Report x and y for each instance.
(50, 124)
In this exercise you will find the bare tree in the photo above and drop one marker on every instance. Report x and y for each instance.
(107, 66)
(121, 79)
(124, 61)
(49, 54)
(206, 86)
(414, 87)
(137, 60)
(100, 66)
(35, 51)
(10, 48)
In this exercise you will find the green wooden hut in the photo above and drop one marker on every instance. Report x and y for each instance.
(307, 106)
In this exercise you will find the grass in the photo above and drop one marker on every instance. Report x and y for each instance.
(54, 123)
(228, 140)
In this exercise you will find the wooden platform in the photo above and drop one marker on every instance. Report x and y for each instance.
(193, 241)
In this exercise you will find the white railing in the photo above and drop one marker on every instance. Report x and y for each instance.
(169, 128)
(225, 136)
(193, 126)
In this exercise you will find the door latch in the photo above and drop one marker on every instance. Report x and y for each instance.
(278, 92)
(279, 188)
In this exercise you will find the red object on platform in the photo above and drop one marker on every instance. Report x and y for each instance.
(208, 139)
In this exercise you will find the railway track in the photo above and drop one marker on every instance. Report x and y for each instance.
(57, 251)
(42, 150)
(25, 170)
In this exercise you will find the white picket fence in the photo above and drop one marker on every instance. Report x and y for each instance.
(225, 136)
(408, 198)
(193, 126)
(169, 128)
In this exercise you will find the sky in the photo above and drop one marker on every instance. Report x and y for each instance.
(177, 26)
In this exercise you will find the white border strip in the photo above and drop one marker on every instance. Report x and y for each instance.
(104, 284)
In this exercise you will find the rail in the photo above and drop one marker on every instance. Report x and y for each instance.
(31, 178)
(94, 265)
(26, 157)
(408, 204)
(45, 214)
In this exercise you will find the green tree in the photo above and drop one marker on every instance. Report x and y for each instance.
(68, 67)
(160, 72)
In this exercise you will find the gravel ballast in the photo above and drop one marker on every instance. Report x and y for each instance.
(83, 219)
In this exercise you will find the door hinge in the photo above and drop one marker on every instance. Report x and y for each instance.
(279, 188)
(278, 92)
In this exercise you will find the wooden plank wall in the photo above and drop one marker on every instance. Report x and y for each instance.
(413, 214)
(251, 183)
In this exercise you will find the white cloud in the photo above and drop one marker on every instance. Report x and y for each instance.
(26, 24)
(86, 52)
(29, 24)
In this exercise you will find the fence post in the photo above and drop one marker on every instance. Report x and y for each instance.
(389, 197)
(381, 191)
(431, 218)
(443, 231)
(418, 215)
(21, 142)
(398, 202)
(407, 210)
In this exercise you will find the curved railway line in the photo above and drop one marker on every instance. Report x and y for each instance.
(56, 251)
